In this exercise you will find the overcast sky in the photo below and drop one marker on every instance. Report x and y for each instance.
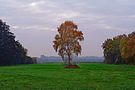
(35, 22)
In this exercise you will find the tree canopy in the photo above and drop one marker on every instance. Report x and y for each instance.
(66, 42)
(120, 49)
(11, 51)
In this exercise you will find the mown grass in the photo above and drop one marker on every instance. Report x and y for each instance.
(55, 77)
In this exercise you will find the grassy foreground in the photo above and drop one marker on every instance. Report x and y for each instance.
(56, 77)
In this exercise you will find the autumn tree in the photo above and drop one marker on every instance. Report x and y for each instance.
(128, 49)
(120, 49)
(112, 50)
(108, 51)
(67, 40)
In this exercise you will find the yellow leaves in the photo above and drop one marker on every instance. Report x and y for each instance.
(130, 47)
(127, 48)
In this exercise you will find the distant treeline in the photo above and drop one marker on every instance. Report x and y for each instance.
(11, 51)
(46, 59)
(120, 49)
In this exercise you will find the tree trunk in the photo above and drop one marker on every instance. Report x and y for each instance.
(69, 59)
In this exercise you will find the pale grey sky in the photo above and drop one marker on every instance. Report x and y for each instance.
(35, 22)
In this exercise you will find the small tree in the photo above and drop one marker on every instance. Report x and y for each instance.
(66, 42)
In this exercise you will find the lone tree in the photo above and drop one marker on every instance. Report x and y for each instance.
(67, 40)
(11, 51)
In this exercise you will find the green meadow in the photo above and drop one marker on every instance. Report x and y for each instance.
(91, 76)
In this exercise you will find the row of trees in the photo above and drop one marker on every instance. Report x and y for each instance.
(11, 51)
(120, 49)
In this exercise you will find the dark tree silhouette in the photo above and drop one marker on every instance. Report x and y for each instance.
(11, 51)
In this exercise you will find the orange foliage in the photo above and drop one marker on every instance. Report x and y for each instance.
(67, 40)
(129, 50)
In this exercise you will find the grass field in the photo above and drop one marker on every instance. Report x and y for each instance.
(56, 77)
